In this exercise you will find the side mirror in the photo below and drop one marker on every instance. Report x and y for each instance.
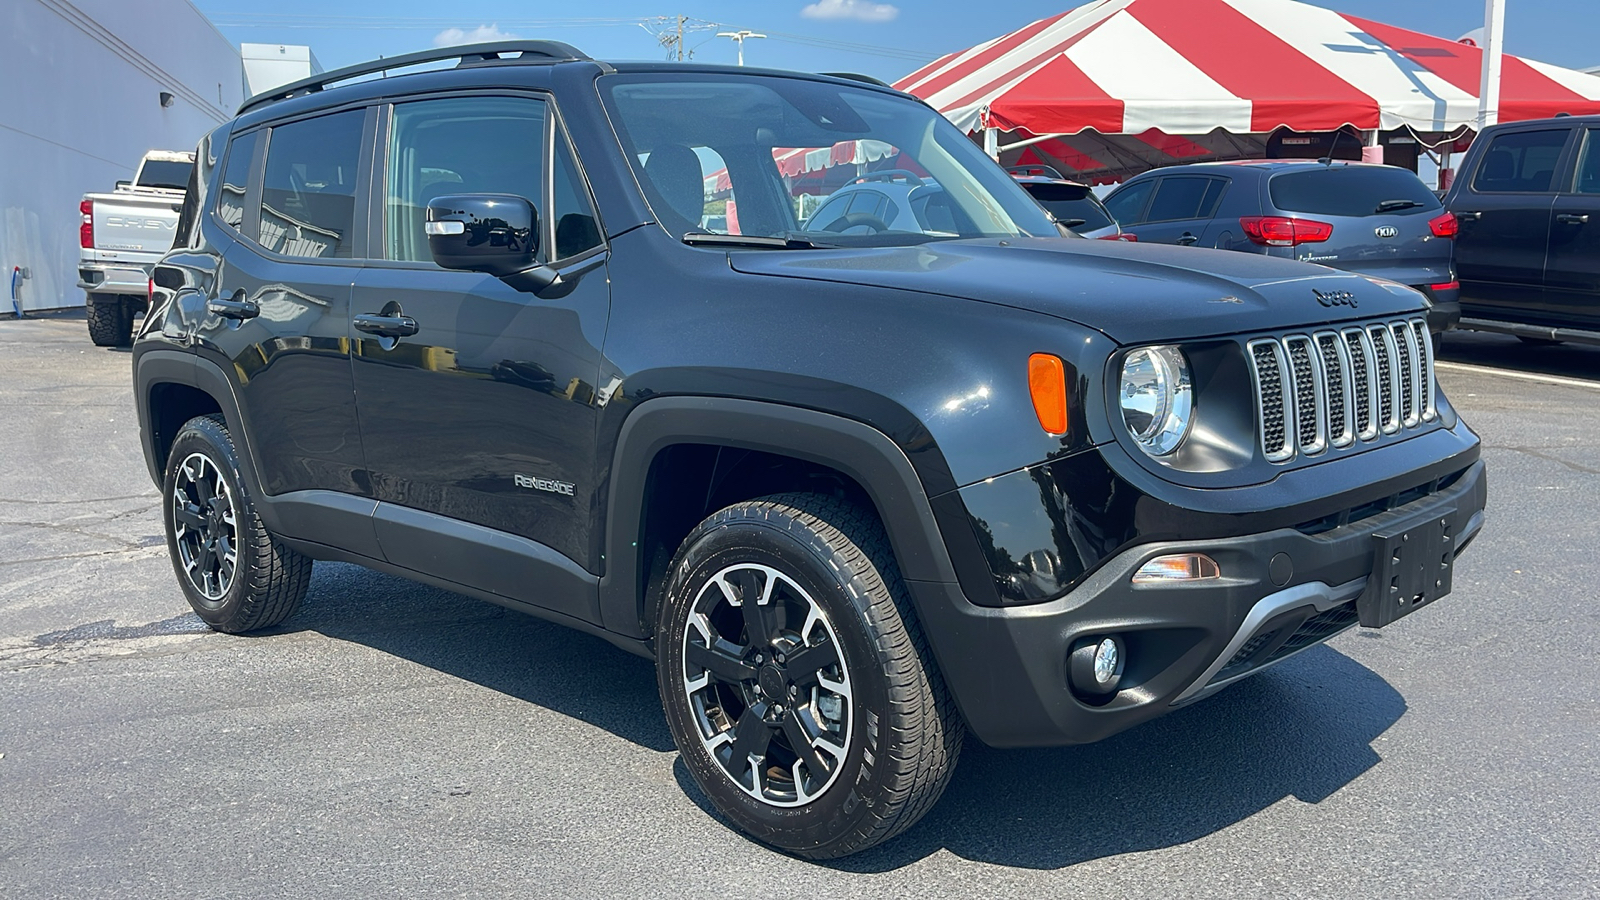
(497, 234)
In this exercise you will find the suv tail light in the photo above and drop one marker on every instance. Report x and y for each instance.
(1281, 231)
(1445, 226)
(86, 230)
(150, 293)
(1131, 238)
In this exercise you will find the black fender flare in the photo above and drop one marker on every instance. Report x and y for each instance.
(858, 450)
(171, 366)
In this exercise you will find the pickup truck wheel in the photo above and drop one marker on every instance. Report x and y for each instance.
(110, 321)
(796, 680)
(235, 574)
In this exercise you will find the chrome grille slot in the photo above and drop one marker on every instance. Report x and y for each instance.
(1410, 378)
(1362, 392)
(1337, 388)
(1310, 397)
(1271, 378)
(1383, 356)
(1336, 375)
(1424, 344)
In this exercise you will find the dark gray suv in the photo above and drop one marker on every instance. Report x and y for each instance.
(1373, 220)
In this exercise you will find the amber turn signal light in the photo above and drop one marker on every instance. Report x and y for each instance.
(1047, 383)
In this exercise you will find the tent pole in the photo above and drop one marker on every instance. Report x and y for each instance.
(991, 142)
(1494, 21)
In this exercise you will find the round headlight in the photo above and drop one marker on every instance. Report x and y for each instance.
(1157, 398)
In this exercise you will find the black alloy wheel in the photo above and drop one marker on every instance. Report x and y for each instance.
(770, 693)
(206, 527)
(796, 680)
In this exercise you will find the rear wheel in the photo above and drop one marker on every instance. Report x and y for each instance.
(110, 320)
(796, 680)
(235, 574)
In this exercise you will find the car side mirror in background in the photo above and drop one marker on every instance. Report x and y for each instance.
(496, 234)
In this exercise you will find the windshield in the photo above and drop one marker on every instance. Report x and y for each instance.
(1351, 191)
(762, 156)
(164, 173)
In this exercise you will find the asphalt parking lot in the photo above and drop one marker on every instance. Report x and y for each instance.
(396, 740)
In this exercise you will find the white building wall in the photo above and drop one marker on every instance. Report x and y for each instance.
(80, 86)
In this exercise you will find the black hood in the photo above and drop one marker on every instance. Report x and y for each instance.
(1134, 293)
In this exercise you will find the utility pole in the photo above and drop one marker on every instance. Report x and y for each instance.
(680, 37)
(739, 38)
(1494, 22)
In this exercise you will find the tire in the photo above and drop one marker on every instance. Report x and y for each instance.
(206, 524)
(110, 321)
(854, 679)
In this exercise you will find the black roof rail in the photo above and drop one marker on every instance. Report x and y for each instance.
(468, 54)
(864, 79)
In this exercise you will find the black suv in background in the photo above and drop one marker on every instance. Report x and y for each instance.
(856, 493)
(1528, 199)
(1375, 220)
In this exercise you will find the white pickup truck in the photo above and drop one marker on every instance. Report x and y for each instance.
(122, 235)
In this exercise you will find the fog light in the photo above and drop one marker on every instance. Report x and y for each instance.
(1107, 662)
(1096, 664)
(1177, 567)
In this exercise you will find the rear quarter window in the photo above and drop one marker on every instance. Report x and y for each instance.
(1352, 191)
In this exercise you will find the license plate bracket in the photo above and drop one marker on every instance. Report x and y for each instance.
(1412, 565)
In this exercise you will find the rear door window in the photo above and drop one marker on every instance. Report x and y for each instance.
(1127, 204)
(308, 193)
(1352, 191)
(1523, 162)
(1184, 197)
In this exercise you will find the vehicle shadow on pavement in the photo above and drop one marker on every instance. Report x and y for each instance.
(1303, 730)
(518, 655)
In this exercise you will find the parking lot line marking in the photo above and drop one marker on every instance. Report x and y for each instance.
(1524, 376)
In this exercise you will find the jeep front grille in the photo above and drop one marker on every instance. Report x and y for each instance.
(1335, 388)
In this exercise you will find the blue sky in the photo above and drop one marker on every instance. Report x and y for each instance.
(884, 39)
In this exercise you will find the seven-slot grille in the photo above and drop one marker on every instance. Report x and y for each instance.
(1334, 388)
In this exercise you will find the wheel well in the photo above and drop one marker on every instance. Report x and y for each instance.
(688, 482)
(171, 405)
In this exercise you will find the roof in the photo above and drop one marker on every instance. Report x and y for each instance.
(1187, 67)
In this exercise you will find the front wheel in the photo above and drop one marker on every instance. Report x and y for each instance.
(796, 681)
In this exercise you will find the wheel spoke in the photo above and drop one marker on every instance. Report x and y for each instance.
(721, 659)
(800, 741)
(207, 559)
(805, 663)
(189, 516)
(752, 588)
(750, 739)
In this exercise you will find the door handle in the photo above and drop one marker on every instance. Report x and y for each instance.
(1572, 218)
(1187, 239)
(236, 308)
(385, 326)
(1469, 216)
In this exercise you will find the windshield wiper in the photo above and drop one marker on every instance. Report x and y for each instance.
(755, 241)
(1392, 205)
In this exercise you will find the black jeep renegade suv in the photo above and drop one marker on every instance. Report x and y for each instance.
(857, 490)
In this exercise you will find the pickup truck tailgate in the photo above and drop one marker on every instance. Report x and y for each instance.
(130, 222)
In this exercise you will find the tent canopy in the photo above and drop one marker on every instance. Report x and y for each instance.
(1190, 67)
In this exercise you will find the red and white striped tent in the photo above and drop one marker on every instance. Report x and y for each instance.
(1130, 75)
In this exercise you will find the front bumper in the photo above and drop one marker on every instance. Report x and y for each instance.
(1281, 591)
